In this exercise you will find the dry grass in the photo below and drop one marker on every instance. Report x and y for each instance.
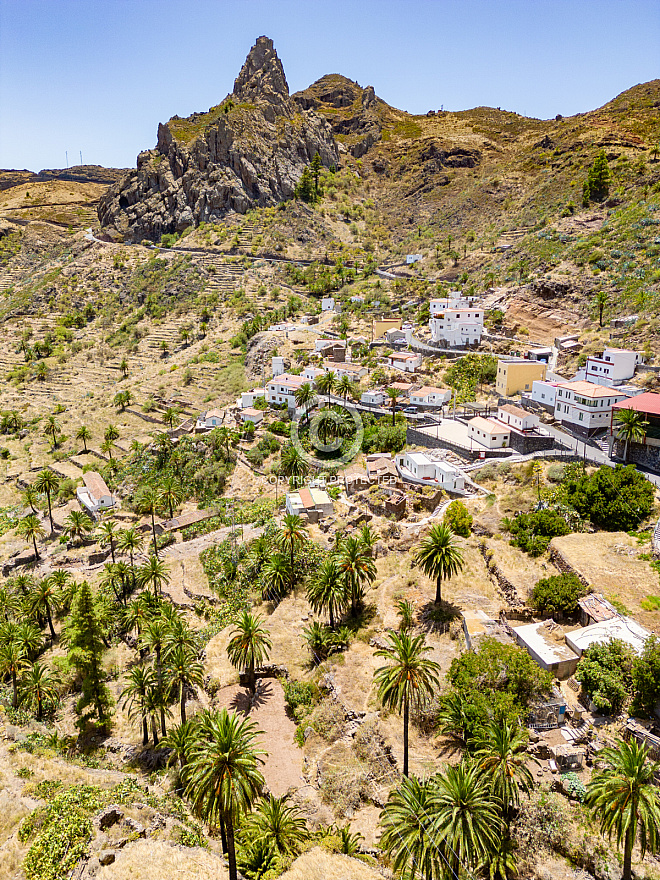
(610, 562)
(320, 865)
(155, 860)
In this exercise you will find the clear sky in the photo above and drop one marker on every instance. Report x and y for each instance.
(98, 75)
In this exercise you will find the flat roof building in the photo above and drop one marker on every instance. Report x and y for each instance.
(547, 647)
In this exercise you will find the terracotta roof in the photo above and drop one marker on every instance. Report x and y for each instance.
(95, 484)
(425, 390)
(648, 402)
(488, 425)
(589, 389)
(288, 380)
(514, 411)
(306, 498)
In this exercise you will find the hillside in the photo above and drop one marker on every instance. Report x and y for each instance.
(137, 307)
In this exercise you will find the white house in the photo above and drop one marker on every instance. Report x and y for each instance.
(544, 393)
(354, 371)
(516, 418)
(398, 337)
(585, 406)
(615, 366)
(281, 389)
(419, 467)
(373, 398)
(357, 299)
(407, 363)
(249, 398)
(278, 366)
(311, 374)
(256, 416)
(94, 495)
(310, 502)
(327, 304)
(618, 627)
(430, 395)
(212, 418)
(456, 320)
(488, 432)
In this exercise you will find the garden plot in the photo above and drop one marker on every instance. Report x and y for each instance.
(520, 569)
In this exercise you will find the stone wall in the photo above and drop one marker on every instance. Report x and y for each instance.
(638, 453)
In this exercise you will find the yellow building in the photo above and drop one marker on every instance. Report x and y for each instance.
(517, 374)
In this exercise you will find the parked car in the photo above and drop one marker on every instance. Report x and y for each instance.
(410, 410)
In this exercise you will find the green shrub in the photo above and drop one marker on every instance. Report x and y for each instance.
(558, 594)
(605, 672)
(532, 532)
(555, 473)
(300, 693)
(459, 519)
(614, 499)
(646, 679)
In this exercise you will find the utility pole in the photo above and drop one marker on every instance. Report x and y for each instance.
(66, 153)
(81, 157)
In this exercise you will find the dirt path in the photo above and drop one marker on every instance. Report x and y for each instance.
(282, 767)
(192, 548)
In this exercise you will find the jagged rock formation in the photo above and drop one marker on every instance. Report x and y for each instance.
(359, 125)
(248, 151)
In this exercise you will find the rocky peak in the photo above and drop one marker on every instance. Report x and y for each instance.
(262, 76)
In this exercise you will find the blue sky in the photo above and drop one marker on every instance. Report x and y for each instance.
(97, 76)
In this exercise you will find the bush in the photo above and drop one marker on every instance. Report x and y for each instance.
(555, 473)
(605, 672)
(646, 679)
(532, 532)
(614, 499)
(280, 428)
(459, 519)
(300, 693)
(558, 594)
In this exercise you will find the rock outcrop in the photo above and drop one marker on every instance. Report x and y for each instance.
(249, 151)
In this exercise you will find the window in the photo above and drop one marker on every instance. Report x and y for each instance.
(580, 417)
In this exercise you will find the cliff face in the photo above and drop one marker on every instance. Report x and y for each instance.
(249, 151)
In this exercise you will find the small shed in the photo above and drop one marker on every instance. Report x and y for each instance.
(568, 758)
(546, 645)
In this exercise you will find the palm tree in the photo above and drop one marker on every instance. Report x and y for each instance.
(279, 825)
(223, 776)
(47, 483)
(368, 538)
(77, 525)
(501, 752)
(622, 794)
(305, 397)
(12, 662)
(630, 427)
(326, 383)
(111, 433)
(170, 416)
(170, 495)
(64, 585)
(466, 816)
(38, 688)
(141, 680)
(391, 393)
(108, 535)
(276, 577)
(52, 430)
(180, 739)
(130, 541)
(327, 590)
(154, 573)
(439, 556)
(345, 387)
(155, 636)
(453, 719)
(408, 680)
(30, 497)
(123, 366)
(184, 671)
(84, 434)
(601, 300)
(292, 534)
(357, 568)
(107, 447)
(249, 646)
(41, 371)
(10, 603)
(320, 641)
(293, 463)
(408, 836)
(44, 599)
(146, 502)
(30, 528)
(29, 638)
